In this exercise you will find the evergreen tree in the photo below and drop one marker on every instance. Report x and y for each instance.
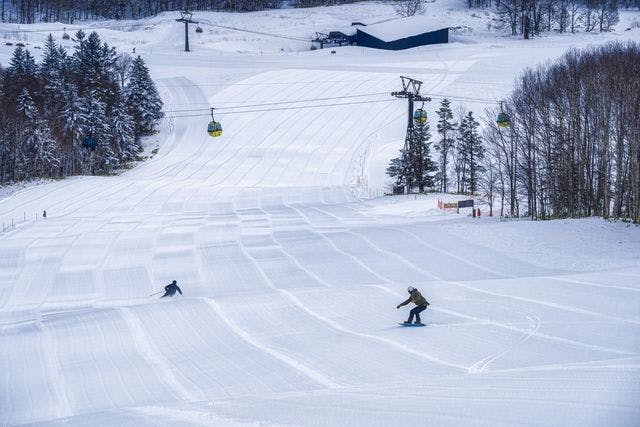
(102, 158)
(470, 153)
(414, 166)
(446, 129)
(21, 74)
(26, 105)
(53, 71)
(94, 64)
(73, 120)
(24, 120)
(143, 101)
(122, 131)
(22, 67)
(399, 169)
(422, 168)
(39, 149)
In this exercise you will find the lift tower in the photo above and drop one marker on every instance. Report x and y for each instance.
(185, 16)
(410, 91)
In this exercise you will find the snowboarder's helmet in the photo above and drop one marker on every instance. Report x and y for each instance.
(174, 282)
(411, 289)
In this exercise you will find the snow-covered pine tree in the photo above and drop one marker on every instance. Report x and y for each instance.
(50, 73)
(26, 105)
(399, 170)
(446, 128)
(470, 153)
(22, 70)
(73, 120)
(25, 120)
(143, 100)
(93, 64)
(124, 142)
(422, 167)
(40, 151)
(101, 159)
(19, 76)
(414, 166)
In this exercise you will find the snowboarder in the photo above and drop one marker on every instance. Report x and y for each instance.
(421, 304)
(171, 289)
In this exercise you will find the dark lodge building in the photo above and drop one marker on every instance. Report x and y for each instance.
(400, 34)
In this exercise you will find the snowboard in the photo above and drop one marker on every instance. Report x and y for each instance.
(412, 324)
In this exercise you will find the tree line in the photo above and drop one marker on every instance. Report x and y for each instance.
(573, 148)
(68, 11)
(73, 113)
(531, 17)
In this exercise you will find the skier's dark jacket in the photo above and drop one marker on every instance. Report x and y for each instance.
(171, 289)
(416, 298)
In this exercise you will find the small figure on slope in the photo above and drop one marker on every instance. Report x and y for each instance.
(170, 289)
(421, 304)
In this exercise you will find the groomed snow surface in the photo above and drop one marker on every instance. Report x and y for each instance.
(291, 269)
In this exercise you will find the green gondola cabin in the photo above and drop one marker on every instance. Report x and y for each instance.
(90, 143)
(503, 120)
(420, 115)
(214, 129)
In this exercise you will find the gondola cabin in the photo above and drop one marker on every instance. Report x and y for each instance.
(420, 115)
(214, 128)
(89, 143)
(503, 120)
(198, 29)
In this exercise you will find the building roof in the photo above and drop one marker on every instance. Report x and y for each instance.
(403, 27)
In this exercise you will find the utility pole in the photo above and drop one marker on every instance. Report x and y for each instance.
(410, 91)
(185, 16)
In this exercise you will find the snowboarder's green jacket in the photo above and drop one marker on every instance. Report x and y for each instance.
(416, 298)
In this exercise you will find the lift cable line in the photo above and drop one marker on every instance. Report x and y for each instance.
(262, 33)
(115, 26)
(233, 107)
(276, 109)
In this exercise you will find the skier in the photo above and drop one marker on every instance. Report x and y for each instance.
(420, 302)
(171, 289)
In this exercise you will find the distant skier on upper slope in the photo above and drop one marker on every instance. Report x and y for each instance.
(421, 304)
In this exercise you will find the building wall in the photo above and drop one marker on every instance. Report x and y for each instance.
(432, 37)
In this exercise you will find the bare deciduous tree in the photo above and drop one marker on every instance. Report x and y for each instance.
(573, 148)
(407, 8)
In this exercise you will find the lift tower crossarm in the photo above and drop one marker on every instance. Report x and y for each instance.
(410, 91)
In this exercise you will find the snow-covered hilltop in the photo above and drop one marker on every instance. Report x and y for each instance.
(291, 267)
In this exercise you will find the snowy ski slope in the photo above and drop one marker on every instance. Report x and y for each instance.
(291, 272)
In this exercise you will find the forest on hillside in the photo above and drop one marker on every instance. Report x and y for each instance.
(68, 11)
(73, 113)
(527, 17)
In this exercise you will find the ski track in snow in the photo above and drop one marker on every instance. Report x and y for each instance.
(314, 375)
(154, 358)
